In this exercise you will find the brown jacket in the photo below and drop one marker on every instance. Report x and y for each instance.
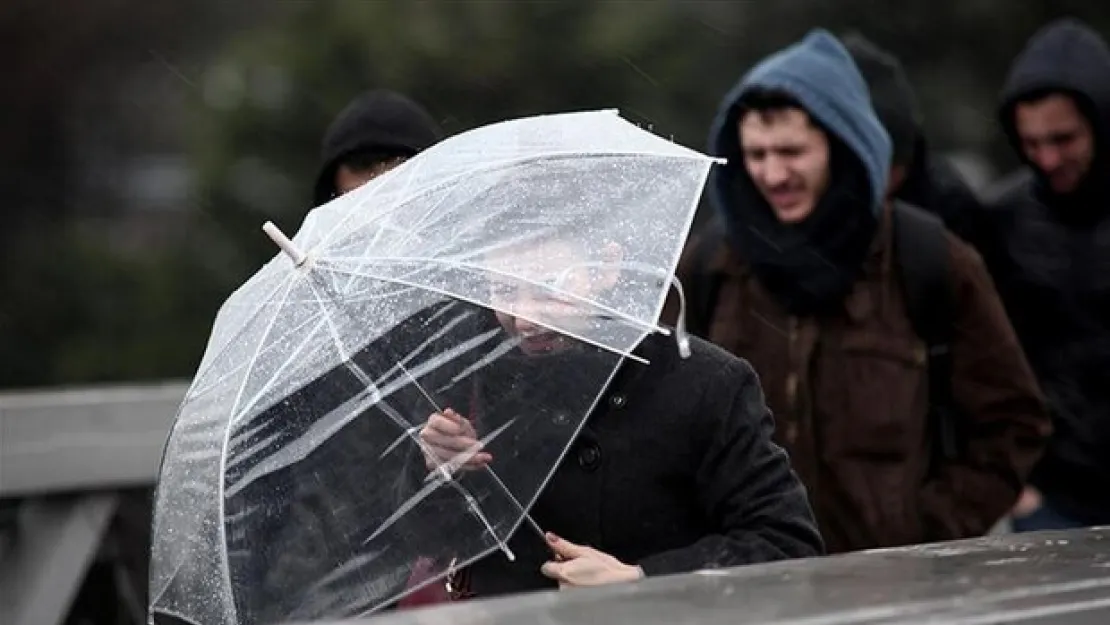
(850, 395)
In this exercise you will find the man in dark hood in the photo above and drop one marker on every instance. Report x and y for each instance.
(917, 176)
(377, 131)
(1051, 260)
(807, 291)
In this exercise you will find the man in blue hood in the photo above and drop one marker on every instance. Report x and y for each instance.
(804, 282)
(1051, 260)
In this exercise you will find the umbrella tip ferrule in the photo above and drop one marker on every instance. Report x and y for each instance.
(286, 245)
(682, 337)
(683, 340)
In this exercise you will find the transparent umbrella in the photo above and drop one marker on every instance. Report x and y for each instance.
(504, 275)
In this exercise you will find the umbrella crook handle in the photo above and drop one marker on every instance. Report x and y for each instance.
(682, 337)
(285, 243)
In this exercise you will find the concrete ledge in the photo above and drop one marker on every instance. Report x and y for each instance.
(1044, 578)
(91, 438)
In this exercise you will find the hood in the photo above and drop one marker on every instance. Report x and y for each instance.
(820, 74)
(1065, 55)
(892, 95)
(809, 266)
(379, 120)
(930, 183)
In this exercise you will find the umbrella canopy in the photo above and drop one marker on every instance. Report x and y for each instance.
(503, 274)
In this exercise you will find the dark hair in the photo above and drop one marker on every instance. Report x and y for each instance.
(1086, 106)
(766, 101)
(1036, 95)
(371, 159)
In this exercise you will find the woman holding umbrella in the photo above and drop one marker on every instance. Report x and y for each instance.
(673, 471)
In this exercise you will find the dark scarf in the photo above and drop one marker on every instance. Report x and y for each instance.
(1085, 207)
(811, 266)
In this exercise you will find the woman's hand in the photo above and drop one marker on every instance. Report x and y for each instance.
(578, 565)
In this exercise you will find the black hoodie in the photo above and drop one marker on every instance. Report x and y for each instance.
(1066, 56)
(1051, 261)
(931, 182)
(381, 121)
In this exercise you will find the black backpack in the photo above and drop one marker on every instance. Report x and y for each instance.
(921, 253)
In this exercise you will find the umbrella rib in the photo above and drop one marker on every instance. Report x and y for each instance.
(448, 469)
(192, 392)
(472, 504)
(223, 452)
(472, 267)
(218, 381)
(407, 234)
(484, 166)
(350, 410)
(444, 357)
(370, 190)
(476, 302)
(411, 502)
(339, 347)
(409, 429)
(307, 337)
(444, 474)
(467, 345)
(257, 352)
(365, 378)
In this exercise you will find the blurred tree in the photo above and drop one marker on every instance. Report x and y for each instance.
(264, 106)
(75, 311)
(71, 308)
(92, 315)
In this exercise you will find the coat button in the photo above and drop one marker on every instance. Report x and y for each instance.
(920, 355)
(791, 386)
(618, 401)
(791, 433)
(589, 457)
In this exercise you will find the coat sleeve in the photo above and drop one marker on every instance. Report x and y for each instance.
(745, 484)
(1005, 422)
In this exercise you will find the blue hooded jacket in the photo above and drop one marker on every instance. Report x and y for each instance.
(820, 74)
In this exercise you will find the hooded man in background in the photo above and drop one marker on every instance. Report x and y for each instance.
(1050, 257)
(375, 132)
(917, 176)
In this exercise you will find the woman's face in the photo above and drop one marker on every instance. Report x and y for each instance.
(555, 276)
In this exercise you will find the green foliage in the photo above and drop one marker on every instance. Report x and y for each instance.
(73, 311)
(470, 63)
(82, 313)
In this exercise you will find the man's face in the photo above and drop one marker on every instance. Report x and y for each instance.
(348, 179)
(527, 310)
(1056, 139)
(787, 158)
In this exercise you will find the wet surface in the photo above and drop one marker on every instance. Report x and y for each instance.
(1048, 577)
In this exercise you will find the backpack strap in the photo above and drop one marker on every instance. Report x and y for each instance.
(921, 251)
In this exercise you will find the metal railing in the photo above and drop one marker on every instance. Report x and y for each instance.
(68, 459)
(71, 458)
